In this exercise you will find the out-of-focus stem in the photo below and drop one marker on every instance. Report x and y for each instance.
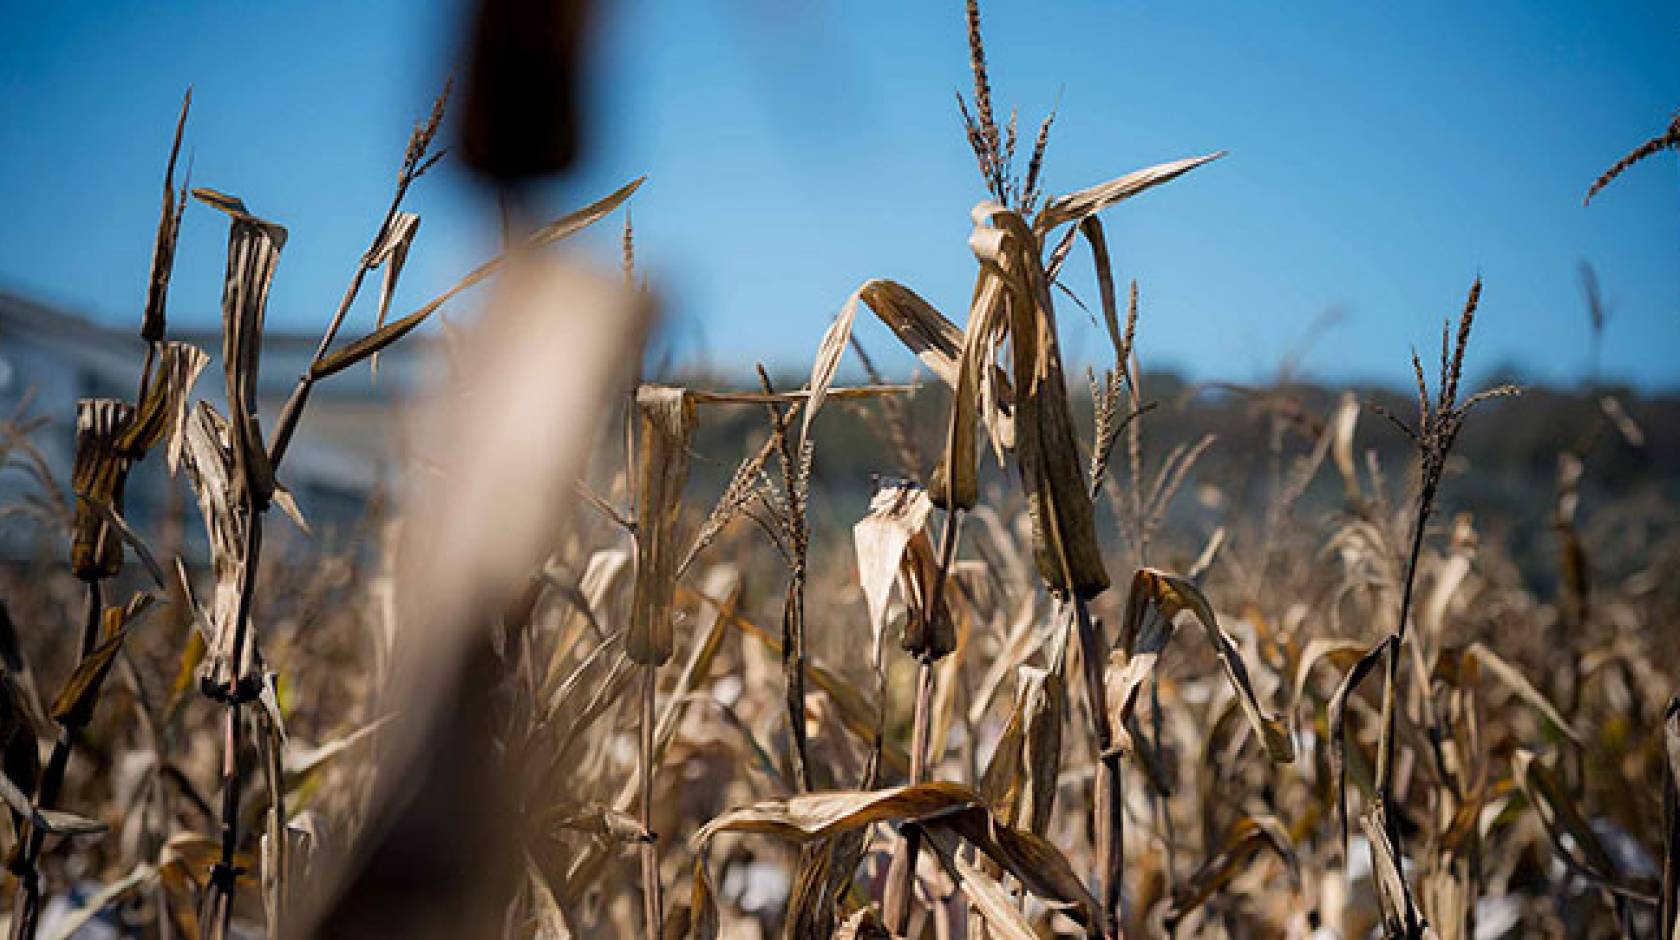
(653, 909)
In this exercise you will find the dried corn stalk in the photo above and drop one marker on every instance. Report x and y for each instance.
(253, 252)
(1046, 446)
(666, 421)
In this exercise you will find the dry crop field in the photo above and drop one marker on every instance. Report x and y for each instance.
(552, 687)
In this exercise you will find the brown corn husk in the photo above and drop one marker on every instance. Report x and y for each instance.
(1020, 781)
(98, 476)
(1046, 446)
(898, 510)
(666, 431)
(253, 251)
(893, 548)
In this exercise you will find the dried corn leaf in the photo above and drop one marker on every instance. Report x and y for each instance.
(98, 475)
(567, 225)
(1168, 595)
(545, 909)
(1337, 711)
(1076, 206)
(1003, 918)
(1020, 779)
(154, 321)
(67, 926)
(897, 513)
(1342, 425)
(207, 452)
(52, 822)
(924, 330)
(1046, 446)
(863, 924)
(392, 254)
(1570, 834)
(73, 708)
(1247, 837)
(254, 247)
(939, 808)
(1394, 898)
(666, 422)
(1519, 685)
(162, 411)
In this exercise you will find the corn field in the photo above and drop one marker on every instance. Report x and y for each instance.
(556, 685)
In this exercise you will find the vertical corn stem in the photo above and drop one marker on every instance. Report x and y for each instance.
(1107, 810)
(901, 875)
(240, 689)
(26, 901)
(653, 915)
(1391, 685)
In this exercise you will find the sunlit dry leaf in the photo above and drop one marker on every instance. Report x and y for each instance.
(1046, 447)
(392, 253)
(568, 224)
(897, 513)
(1157, 595)
(1077, 205)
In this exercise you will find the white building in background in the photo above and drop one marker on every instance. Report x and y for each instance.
(344, 448)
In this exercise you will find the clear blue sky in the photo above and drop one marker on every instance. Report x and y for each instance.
(1381, 156)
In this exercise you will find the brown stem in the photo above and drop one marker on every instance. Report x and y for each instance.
(653, 913)
(1108, 809)
(292, 412)
(901, 875)
(26, 903)
(218, 902)
(1391, 691)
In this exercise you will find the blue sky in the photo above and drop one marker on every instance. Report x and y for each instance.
(1382, 155)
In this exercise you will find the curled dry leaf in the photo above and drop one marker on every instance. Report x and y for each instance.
(1571, 836)
(98, 476)
(1046, 446)
(254, 247)
(1337, 711)
(898, 512)
(162, 412)
(392, 254)
(1156, 598)
(942, 810)
(1245, 840)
